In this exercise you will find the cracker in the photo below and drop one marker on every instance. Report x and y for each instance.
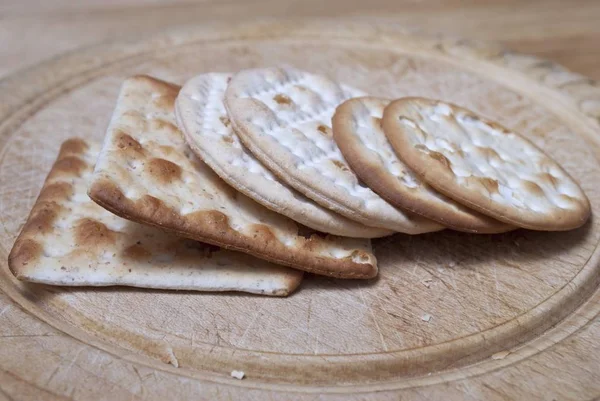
(202, 118)
(484, 165)
(69, 240)
(147, 173)
(358, 133)
(283, 116)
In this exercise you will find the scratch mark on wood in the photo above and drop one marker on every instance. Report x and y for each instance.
(81, 367)
(308, 313)
(5, 394)
(414, 270)
(71, 392)
(79, 351)
(137, 372)
(193, 338)
(394, 281)
(141, 392)
(243, 337)
(294, 329)
(395, 305)
(28, 335)
(107, 315)
(96, 356)
(496, 289)
(3, 311)
(220, 340)
(495, 391)
(172, 317)
(447, 285)
(52, 374)
(267, 325)
(383, 343)
(452, 274)
(153, 374)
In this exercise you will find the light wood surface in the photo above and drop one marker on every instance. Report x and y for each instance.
(451, 316)
(565, 31)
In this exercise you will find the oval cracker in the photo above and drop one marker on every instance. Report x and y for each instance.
(484, 165)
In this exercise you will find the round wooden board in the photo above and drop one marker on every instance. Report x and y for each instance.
(451, 316)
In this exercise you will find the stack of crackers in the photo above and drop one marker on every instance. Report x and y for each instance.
(242, 182)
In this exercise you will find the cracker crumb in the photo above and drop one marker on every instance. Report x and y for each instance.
(238, 374)
(427, 282)
(500, 355)
(452, 264)
(426, 317)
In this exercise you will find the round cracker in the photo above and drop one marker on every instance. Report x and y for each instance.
(202, 117)
(483, 165)
(283, 116)
(359, 135)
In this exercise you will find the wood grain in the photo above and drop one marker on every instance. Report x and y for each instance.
(563, 31)
(512, 316)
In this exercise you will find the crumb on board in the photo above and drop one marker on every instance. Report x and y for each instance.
(426, 317)
(427, 282)
(238, 374)
(500, 355)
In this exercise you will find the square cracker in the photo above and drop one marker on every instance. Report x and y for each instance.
(147, 173)
(70, 240)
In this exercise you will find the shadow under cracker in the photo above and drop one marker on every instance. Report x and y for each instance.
(459, 250)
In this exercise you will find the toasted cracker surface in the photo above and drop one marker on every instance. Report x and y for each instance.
(483, 165)
(147, 173)
(359, 135)
(70, 240)
(202, 118)
(283, 116)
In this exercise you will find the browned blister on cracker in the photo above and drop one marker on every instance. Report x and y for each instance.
(147, 173)
(70, 240)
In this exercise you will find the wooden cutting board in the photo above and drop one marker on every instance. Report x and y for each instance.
(451, 316)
